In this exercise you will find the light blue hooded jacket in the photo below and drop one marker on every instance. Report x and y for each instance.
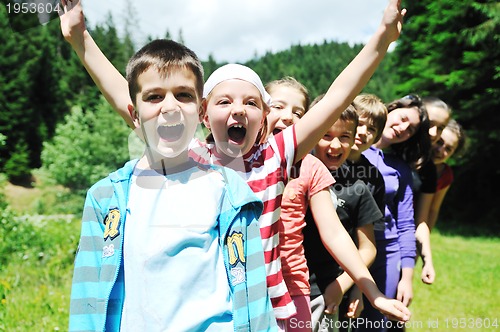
(98, 285)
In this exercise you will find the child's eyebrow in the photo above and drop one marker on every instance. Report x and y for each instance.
(180, 87)
(151, 90)
(220, 95)
(186, 87)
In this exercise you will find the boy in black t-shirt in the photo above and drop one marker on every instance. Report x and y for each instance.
(372, 114)
(357, 211)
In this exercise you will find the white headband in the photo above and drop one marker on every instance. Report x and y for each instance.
(239, 72)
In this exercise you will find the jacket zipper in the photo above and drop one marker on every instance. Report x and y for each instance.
(121, 249)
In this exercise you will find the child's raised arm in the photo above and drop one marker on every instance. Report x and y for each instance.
(108, 79)
(367, 251)
(350, 82)
(340, 245)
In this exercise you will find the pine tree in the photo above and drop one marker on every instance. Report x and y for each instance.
(180, 38)
(451, 49)
(17, 168)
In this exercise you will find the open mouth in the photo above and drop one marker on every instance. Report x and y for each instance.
(279, 127)
(334, 158)
(171, 133)
(276, 131)
(237, 133)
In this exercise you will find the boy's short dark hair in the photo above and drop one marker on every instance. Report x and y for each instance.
(163, 55)
(372, 107)
(350, 114)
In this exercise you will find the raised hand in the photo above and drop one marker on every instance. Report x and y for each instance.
(393, 19)
(72, 21)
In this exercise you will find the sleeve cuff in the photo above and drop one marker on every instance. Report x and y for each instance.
(408, 262)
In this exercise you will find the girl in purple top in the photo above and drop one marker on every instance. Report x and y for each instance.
(405, 141)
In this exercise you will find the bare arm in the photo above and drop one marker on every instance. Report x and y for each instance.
(350, 82)
(367, 251)
(405, 287)
(108, 79)
(339, 244)
(366, 244)
(423, 236)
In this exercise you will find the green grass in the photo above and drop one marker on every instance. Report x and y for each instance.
(35, 283)
(35, 279)
(466, 289)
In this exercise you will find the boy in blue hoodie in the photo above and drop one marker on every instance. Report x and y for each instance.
(168, 243)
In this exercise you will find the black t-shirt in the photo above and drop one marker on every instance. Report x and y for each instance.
(365, 171)
(425, 178)
(355, 208)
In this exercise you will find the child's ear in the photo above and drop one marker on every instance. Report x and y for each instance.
(133, 114)
(200, 116)
(203, 114)
(266, 112)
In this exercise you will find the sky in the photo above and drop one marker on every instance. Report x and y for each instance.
(236, 30)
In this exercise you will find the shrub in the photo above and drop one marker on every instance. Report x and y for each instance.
(86, 147)
(17, 167)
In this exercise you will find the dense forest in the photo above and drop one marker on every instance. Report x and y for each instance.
(54, 117)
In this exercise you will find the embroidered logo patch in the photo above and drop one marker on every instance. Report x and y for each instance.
(235, 248)
(236, 252)
(108, 251)
(111, 222)
(238, 274)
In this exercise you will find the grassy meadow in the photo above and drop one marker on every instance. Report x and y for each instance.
(35, 281)
(466, 293)
(37, 251)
